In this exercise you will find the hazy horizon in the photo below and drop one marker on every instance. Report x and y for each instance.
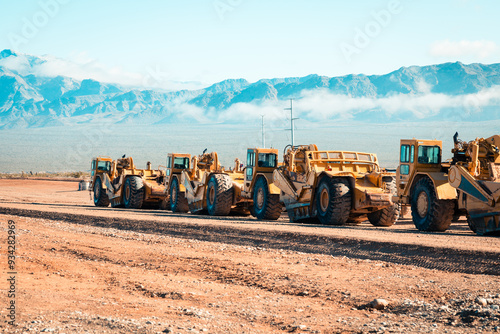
(70, 149)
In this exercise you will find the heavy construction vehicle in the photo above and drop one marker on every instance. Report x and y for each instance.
(336, 187)
(176, 200)
(258, 185)
(468, 184)
(120, 183)
(209, 187)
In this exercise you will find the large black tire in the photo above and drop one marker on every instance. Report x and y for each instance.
(219, 195)
(429, 213)
(389, 215)
(265, 205)
(100, 196)
(333, 201)
(133, 192)
(385, 217)
(178, 200)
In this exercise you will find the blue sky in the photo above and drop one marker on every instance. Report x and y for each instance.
(162, 42)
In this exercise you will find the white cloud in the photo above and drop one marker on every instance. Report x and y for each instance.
(189, 111)
(80, 66)
(319, 105)
(18, 64)
(324, 105)
(478, 49)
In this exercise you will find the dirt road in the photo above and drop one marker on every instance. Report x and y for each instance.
(81, 268)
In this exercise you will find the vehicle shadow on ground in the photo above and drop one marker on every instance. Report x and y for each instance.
(456, 229)
(440, 258)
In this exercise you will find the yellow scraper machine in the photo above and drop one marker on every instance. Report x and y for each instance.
(336, 187)
(211, 188)
(467, 184)
(120, 183)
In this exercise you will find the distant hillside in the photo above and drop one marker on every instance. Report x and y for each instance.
(30, 100)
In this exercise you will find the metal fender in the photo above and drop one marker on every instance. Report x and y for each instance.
(273, 190)
(444, 190)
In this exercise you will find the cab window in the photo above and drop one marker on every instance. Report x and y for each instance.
(181, 163)
(104, 166)
(405, 153)
(404, 169)
(251, 158)
(250, 165)
(267, 160)
(429, 155)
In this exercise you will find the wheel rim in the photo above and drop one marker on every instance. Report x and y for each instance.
(422, 204)
(174, 194)
(127, 193)
(260, 198)
(324, 200)
(211, 195)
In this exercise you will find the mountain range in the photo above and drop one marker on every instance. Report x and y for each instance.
(30, 99)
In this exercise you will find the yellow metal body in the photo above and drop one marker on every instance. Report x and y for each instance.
(475, 173)
(471, 178)
(259, 167)
(304, 166)
(113, 173)
(195, 180)
(176, 163)
(412, 168)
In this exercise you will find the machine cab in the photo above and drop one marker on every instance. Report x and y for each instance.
(417, 155)
(176, 163)
(100, 165)
(260, 160)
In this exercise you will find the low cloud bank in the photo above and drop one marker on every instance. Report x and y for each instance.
(318, 105)
(80, 67)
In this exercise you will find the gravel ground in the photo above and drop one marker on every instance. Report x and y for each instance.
(154, 272)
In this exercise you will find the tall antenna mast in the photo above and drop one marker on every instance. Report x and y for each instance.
(263, 136)
(292, 121)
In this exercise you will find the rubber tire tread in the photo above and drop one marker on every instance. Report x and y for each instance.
(223, 195)
(385, 217)
(136, 192)
(389, 215)
(103, 200)
(440, 212)
(272, 208)
(340, 201)
(179, 204)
